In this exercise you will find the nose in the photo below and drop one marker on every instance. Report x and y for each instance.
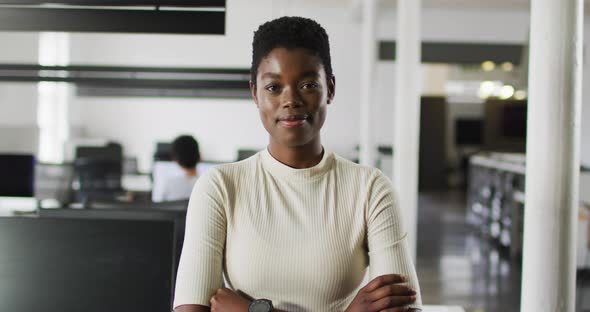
(290, 97)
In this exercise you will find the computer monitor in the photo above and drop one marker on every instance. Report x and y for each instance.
(130, 165)
(18, 175)
(513, 123)
(173, 211)
(110, 151)
(246, 153)
(469, 131)
(59, 264)
(505, 125)
(163, 151)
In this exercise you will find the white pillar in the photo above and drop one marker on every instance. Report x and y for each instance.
(407, 113)
(552, 174)
(53, 112)
(368, 57)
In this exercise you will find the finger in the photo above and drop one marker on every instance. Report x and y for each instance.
(224, 291)
(390, 290)
(392, 302)
(384, 280)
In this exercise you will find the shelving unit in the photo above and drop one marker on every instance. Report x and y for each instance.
(496, 198)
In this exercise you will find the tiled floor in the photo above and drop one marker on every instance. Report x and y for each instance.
(458, 267)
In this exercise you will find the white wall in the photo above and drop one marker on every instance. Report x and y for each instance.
(18, 101)
(161, 119)
(18, 118)
(585, 137)
(221, 126)
(19, 47)
(138, 123)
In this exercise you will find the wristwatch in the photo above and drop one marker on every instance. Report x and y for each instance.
(260, 305)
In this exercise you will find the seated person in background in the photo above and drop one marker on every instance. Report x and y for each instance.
(185, 152)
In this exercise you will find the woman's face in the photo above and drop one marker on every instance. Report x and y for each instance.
(292, 93)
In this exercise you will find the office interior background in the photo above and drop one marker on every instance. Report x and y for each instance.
(71, 95)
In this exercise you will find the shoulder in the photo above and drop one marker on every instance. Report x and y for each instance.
(357, 171)
(237, 168)
(370, 180)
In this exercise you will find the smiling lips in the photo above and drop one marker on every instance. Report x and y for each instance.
(293, 120)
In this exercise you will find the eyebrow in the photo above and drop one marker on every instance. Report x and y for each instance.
(270, 75)
(310, 73)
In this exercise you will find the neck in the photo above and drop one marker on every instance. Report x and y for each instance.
(191, 172)
(298, 157)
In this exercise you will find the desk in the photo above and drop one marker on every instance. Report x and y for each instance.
(438, 308)
(8, 205)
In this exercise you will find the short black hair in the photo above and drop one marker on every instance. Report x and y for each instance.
(185, 151)
(290, 32)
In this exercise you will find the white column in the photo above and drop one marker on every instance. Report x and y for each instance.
(367, 79)
(552, 174)
(53, 116)
(407, 113)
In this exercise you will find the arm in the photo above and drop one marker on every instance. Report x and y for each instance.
(200, 268)
(393, 285)
(387, 238)
(192, 308)
(227, 300)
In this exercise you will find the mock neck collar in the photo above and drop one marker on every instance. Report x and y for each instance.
(277, 168)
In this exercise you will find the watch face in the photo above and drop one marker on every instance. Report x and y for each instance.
(260, 306)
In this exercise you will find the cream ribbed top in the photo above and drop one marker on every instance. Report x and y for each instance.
(302, 238)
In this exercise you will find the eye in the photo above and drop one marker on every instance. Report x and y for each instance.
(272, 88)
(310, 85)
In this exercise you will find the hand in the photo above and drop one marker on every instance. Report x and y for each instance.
(383, 294)
(227, 300)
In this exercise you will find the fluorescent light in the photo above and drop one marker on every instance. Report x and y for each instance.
(486, 89)
(520, 95)
(506, 92)
(488, 66)
(507, 66)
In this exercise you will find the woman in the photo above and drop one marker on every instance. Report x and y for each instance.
(295, 226)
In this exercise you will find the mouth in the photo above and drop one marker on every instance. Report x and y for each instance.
(293, 120)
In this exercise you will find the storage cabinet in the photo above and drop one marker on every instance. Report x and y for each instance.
(495, 198)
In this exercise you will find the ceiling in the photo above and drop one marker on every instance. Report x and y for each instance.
(453, 4)
(483, 4)
(476, 4)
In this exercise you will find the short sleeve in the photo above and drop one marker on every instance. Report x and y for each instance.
(200, 268)
(386, 236)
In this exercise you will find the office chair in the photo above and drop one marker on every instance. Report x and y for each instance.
(54, 181)
(98, 171)
(99, 179)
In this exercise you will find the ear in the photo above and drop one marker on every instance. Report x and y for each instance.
(253, 92)
(331, 88)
